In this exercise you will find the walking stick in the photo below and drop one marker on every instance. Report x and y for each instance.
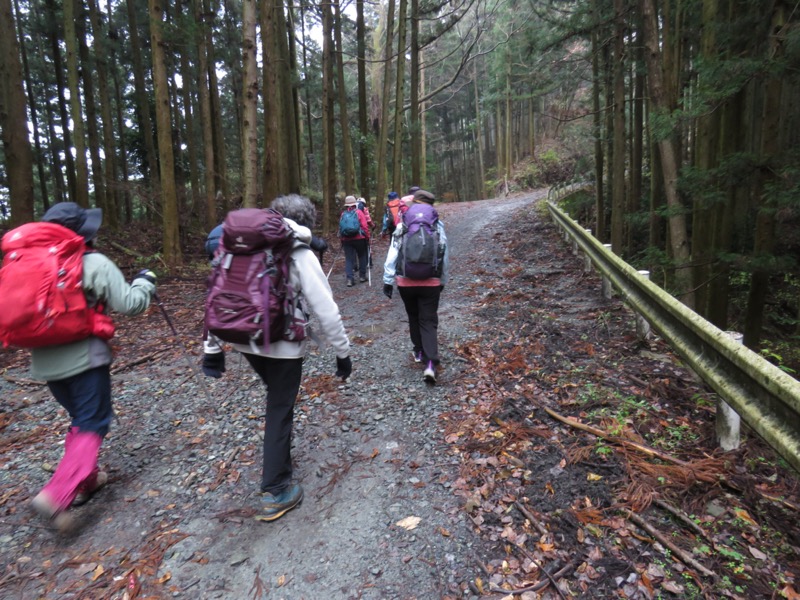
(333, 263)
(192, 366)
(369, 262)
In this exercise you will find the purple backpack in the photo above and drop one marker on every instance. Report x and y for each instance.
(250, 300)
(421, 252)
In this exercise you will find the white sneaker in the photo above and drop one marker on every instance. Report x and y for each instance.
(429, 374)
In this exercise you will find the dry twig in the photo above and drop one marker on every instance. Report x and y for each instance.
(678, 552)
(531, 517)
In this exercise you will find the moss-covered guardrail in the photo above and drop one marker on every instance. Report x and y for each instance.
(766, 398)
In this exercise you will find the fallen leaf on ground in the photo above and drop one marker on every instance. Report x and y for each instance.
(408, 523)
(789, 593)
(744, 516)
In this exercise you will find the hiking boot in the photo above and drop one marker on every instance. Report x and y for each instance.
(87, 490)
(362, 279)
(417, 356)
(47, 509)
(276, 505)
(350, 283)
(429, 375)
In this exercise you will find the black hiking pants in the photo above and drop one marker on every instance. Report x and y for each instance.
(422, 307)
(281, 376)
(355, 257)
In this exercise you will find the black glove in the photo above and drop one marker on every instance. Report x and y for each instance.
(146, 274)
(214, 364)
(344, 366)
(387, 290)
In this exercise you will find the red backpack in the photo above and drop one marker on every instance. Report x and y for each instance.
(41, 283)
(250, 299)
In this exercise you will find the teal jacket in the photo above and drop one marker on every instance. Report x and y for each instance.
(102, 282)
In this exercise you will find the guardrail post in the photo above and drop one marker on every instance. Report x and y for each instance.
(728, 423)
(605, 287)
(642, 325)
(587, 261)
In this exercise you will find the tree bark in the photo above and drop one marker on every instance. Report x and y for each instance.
(32, 108)
(363, 128)
(89, 95)
(291, 112)
(706, 144)
(54, 27)
(81, 191)
(772, 127)
(478, 134)
(111, 215)
(169, 199)
(383, 134)
(190, 114)
(679, 242)
(14, 122)
(329, 186)
(142, 102)
(220, 152)
(397, 162)
(250, 104)
(597, 119)
(414, 112)
(618, 205)
(205, 119)
(347, 146)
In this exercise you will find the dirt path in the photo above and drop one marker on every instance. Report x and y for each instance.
(183, 472)
(411, 491)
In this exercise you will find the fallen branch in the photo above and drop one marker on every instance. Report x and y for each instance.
(138, 361)
(786, 503)
(542, 584)
(678, 552)
(531, 517)
(122, 248)
(682, 516)
(538, 565)
(616, 440)
(23, 381)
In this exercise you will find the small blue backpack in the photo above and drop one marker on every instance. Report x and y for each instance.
(349, 225)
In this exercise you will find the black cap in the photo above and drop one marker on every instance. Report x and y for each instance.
(83, 221)
(413, 189)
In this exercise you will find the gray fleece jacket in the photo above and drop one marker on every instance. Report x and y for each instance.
(307, 278)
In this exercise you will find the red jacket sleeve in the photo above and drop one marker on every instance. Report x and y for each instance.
(362, 219)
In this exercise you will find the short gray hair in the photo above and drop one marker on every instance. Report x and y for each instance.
(297, 208)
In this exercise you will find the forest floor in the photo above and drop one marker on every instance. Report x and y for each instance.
(557, 457)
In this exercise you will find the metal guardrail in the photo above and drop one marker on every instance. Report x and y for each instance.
(765, 397)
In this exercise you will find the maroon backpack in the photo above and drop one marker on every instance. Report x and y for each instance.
(250, 300)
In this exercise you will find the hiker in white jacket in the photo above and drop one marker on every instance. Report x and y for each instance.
(280, 365)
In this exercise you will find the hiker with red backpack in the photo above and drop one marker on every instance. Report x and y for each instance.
(56, 290)
(391, 215)
(354, 235)
(265, 278)
(418, 262)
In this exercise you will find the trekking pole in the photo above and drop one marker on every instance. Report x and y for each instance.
(333, 263)
(369, 263)
(192, 366)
